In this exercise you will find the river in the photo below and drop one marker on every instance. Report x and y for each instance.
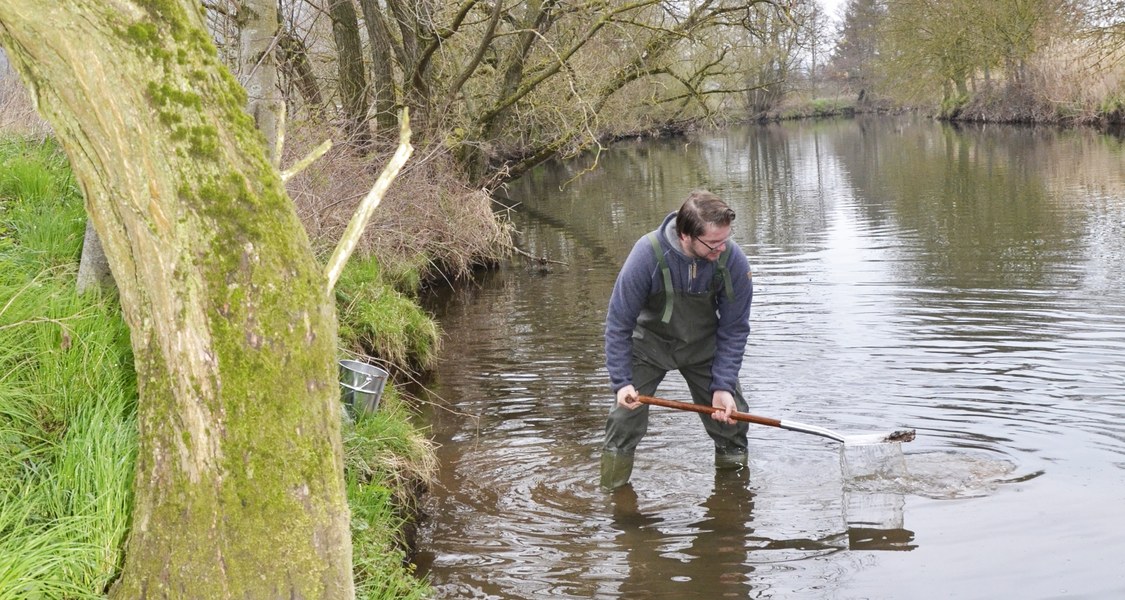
(963, 282)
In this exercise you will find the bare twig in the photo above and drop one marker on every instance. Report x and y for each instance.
(304, 162)
(542, 260)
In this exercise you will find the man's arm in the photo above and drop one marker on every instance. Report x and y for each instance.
(734, 324)
(633, 286)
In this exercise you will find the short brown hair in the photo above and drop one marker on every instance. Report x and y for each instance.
(700, 208)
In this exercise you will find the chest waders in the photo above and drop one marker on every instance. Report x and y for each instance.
(675, 332)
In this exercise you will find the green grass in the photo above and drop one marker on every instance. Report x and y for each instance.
(383, 491)
(67, 407)
(829, 106)
(67, 393)
(1112, 107)
(815, 107)
(41, 205)
(377, 319)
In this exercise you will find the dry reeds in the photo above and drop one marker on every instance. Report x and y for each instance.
(1070, 82)
(1084, 80)
(428, 214)
(17, 113)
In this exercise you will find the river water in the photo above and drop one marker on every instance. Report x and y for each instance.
(965, 283)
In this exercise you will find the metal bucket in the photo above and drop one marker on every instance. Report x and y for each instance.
(361, 386)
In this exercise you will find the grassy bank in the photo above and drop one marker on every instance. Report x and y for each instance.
(67, 393)
(67, 406)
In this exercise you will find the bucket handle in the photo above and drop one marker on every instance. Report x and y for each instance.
(359, 389)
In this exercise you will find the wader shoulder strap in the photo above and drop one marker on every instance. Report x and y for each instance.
(724, 273)
(668, 294)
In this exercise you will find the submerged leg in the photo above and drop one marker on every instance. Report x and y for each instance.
(624, 429)
(730, 440)
(617, 467)
(733, 461)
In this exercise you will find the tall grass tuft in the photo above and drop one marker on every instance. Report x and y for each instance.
(378, 320)
(387, 464)
(67, 393)
(42, 205)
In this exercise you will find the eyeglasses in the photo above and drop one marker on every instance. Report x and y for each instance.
(716, 248)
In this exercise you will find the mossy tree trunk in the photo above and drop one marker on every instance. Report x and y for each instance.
(239, 487)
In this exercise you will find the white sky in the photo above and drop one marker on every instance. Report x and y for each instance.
(833, 8)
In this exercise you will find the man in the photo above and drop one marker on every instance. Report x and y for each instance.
(681, 302)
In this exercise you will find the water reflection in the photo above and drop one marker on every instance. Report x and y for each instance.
(963, 282)
(704, 558)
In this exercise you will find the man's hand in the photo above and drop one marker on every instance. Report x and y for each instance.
(627, 397)
(724, 401)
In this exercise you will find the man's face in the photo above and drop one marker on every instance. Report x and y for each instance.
(709, 245)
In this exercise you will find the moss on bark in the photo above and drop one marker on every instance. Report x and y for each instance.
(239, 487)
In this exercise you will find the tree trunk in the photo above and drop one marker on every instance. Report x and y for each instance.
(257, 60)
(353, 81)
(93, 268)
(294, 62)
(962, 86)
(239, 488)
(382, 59)
(416, 23)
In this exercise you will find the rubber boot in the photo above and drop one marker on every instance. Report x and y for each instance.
(730, 461)
(616, 470)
